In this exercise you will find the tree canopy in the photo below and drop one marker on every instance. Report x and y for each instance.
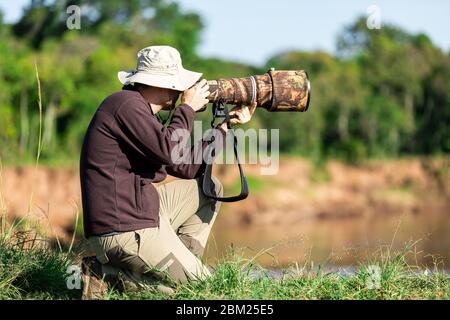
(385, 93)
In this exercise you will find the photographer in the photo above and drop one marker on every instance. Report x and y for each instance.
(138, 231)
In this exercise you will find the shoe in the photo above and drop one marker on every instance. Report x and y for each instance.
(135, 282)
(165, 290)
(94, 285)
(98, 278)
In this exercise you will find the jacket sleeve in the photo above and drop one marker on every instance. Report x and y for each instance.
(193, 165)
(142, 132)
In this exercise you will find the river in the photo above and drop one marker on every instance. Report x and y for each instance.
(337, 243)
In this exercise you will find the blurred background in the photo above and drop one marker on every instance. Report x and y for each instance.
(367, 165)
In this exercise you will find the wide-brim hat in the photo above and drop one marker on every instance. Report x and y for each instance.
(160, 66)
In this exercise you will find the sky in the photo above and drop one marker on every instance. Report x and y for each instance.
(251, 31)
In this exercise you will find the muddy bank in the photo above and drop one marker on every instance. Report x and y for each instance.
(49, 197)
(338, 191)
(320, 212)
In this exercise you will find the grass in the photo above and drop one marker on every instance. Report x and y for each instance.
(31, 269)
(238, 278)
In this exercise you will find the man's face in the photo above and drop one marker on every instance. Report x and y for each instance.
(170, 98)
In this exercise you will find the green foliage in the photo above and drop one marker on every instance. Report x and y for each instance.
(386, 93)
(238, 278)
(383, 95)
(28, 269)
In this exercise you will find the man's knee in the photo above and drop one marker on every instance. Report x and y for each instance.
(192, 244)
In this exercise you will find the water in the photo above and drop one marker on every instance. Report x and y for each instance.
(337, 244)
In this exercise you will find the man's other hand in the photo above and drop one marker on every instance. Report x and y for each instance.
(196, 96)
(241, 115)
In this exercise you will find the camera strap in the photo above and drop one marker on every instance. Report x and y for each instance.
(220, 110)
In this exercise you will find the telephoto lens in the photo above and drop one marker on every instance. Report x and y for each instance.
(276, 90)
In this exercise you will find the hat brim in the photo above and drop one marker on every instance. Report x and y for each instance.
(180, 81)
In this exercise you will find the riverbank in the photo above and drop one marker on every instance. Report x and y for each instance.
(38, 272)
(334, 213)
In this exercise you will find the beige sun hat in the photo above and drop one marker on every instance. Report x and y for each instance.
(160, 66)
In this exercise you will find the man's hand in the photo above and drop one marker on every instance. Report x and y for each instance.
(240, 115)
(196, 97)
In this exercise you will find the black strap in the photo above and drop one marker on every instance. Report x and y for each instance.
(221, 111)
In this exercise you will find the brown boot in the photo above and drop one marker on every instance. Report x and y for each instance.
(98, 278)
(94, 285)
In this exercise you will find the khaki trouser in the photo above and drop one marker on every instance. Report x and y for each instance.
(176, 246)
